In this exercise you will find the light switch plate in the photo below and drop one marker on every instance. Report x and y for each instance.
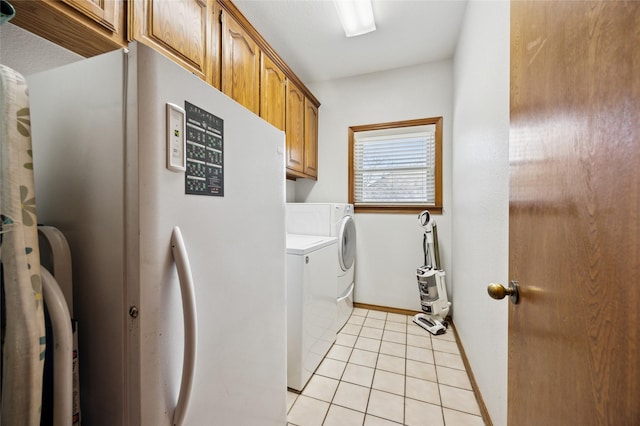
(176, 139)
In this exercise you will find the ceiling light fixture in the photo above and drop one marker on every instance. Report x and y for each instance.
(356, 16)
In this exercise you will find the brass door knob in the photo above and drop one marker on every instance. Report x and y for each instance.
(497, 291)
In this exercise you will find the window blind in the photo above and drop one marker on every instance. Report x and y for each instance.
(395, 168)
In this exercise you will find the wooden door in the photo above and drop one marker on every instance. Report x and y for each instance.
(574, 221)
(310, 139)
(240, 65)
(295, 128)
(273, 93)
(181, 30)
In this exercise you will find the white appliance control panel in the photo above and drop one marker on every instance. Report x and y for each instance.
(176, 159)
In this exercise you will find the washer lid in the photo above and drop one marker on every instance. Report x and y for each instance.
(303, 244)
(347, 245)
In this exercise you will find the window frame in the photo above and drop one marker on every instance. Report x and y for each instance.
(435, 208)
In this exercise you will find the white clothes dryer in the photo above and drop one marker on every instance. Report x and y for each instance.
(335, 220)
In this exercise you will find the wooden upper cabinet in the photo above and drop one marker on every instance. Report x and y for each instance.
(295, 128)
(210, 38)
(181, 30)
(86, 27)
(310, 139)
(240, 77)
(273, 93)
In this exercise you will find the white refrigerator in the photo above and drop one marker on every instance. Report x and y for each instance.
(101, 134)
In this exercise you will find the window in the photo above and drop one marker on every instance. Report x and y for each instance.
(396, 166)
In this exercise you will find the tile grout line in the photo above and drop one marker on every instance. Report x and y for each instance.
(366, 408)
(340, 381)
(438, 382)
(404, 408)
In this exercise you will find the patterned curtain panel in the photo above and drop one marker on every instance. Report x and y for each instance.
(23, 346)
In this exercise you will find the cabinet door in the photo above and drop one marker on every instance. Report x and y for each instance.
(295, 128)
(240, 65)
(179, 29)
(310, 139)
(104, 12)
(273, 93)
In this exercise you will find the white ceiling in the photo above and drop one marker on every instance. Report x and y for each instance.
(308, 37)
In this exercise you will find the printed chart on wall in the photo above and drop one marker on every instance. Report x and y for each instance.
(205, 152)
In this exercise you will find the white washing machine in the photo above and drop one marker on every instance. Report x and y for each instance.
(336, 220)
(311, 307)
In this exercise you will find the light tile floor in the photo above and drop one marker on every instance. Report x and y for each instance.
(385, 370)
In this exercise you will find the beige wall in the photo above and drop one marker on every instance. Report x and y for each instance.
(481, 195)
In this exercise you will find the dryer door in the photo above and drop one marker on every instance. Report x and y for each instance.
(347, 243)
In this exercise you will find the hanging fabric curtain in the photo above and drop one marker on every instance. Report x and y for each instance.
(23, 348)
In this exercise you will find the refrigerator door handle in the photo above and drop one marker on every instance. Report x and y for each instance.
(190, 324)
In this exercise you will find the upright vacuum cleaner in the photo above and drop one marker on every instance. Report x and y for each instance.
(433, 292)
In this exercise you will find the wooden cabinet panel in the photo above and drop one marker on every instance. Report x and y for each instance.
(310, 139)
(273, 93)
(182, 30)
(240, 77)
(295, 128)
(103, 12)
(182, 27)
(302, 134)
(85, 27)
